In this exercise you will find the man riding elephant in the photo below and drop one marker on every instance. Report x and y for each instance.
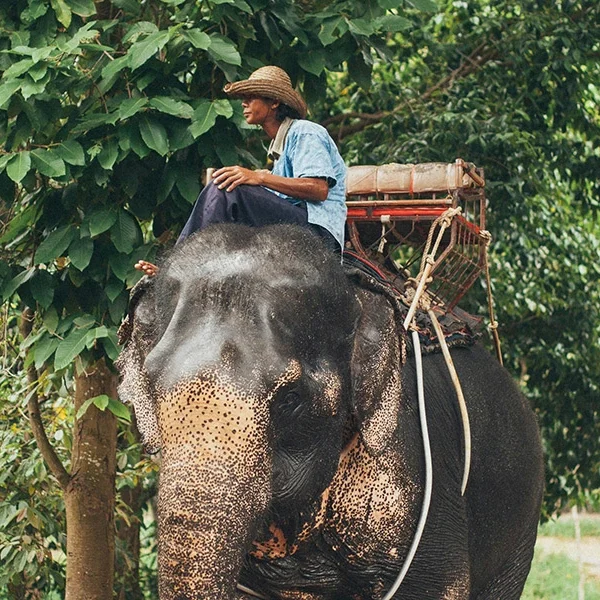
(306, 185)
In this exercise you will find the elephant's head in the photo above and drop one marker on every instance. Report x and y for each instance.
(246, 358)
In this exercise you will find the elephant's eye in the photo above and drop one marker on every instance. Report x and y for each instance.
(289, 402)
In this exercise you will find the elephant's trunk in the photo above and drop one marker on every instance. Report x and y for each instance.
(214, 486)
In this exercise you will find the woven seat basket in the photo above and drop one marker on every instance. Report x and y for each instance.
(391, 209)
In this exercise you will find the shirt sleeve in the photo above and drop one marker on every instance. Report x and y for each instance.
(311, 158)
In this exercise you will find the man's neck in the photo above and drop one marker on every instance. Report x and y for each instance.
(271, 127)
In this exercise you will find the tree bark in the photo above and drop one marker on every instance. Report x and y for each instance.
(90, 495)
(128, 568)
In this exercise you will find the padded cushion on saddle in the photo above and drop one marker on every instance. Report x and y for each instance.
(396, 178)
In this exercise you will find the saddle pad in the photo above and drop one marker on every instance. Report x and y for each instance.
(397, 178)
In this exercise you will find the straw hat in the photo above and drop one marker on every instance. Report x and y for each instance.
(269, 82)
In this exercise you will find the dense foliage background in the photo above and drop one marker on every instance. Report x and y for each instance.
(110, 111)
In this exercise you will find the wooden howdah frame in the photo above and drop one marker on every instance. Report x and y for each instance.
(391, 212)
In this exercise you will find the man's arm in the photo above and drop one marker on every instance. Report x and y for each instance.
(312, 189)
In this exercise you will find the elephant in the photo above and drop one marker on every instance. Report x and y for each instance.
(281, 393)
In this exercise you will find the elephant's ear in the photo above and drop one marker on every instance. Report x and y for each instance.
(378, 356)
(137, 333)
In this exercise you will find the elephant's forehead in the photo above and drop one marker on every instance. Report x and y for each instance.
(240, 264)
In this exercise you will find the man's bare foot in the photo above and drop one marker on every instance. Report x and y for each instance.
(146, 267)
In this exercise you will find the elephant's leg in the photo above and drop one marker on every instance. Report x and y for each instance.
(508, 583)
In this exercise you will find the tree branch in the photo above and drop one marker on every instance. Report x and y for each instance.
(478, 57)
(35, 418)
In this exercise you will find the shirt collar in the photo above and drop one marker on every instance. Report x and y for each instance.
(276, 146)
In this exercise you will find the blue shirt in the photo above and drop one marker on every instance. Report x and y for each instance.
(309, 151)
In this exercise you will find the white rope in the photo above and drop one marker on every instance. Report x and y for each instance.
(464, 413)
(428, 470)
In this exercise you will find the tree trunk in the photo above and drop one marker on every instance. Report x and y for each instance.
(128, 568)
(90, 495)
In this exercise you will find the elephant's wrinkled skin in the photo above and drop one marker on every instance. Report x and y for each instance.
(291, 448)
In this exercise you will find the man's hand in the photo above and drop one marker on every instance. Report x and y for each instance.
(228, 178)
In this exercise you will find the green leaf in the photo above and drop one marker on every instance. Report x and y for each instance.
(124, 233)
(48, 162)
(113, 289)
(139, 29)
(29, 87)
(71, 152)
(361, 27)
(16, 282)
(19, 166)
(44, 349)
(101, 220)
(100, 402)
(55, 244)
(24, 220)
(50, 319)
(42, 288)
(141, 51)
(119, 409)
(121, 265)
(17, 69)
(154, 135)
(109, 154)
(85, 321)
(111, 345)
(70, 348)
(328, 28)
(223, 49)
(313, 62)
(131, 106)
(38, 71)
(389, 4)
(115, 66)
(204, 118)
(223, 107)
(93, 120)
(197, 38)
(62, 12)
(8, 89)
(80, 252)
(188, 185)
(393, 23)
(173, 107)
(360, 71)
(83, 8)
(425, 5)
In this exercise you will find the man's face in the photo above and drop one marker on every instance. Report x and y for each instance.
(258, 110)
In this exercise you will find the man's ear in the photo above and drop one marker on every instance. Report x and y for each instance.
(377, 359)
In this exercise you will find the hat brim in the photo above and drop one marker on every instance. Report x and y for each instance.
(267, 88)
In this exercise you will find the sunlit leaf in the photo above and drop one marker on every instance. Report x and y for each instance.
(144, 49)
(171, 106)
(19, 166)
(224, 49)
(197, 38)
(48, 162)
(62, 12)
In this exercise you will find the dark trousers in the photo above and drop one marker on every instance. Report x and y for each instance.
(251, 205)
